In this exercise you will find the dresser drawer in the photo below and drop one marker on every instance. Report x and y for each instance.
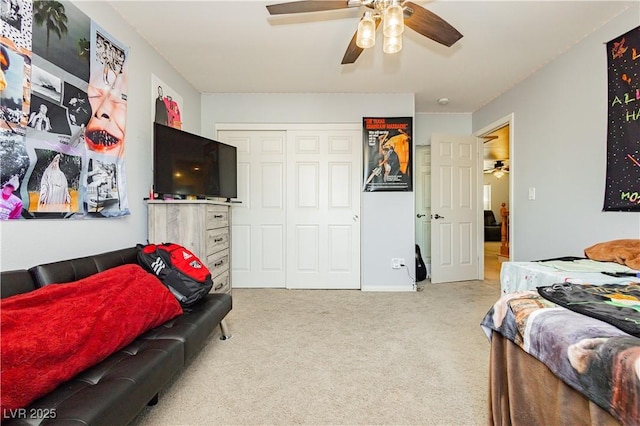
(217, 239)
(218, 262)
(221, 283)
(216, 217)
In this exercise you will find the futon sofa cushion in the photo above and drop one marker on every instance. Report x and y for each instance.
(51, 334)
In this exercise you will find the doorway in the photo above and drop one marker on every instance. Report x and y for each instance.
(496, 182)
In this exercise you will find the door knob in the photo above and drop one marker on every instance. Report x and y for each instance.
(421, 215)
(437, 216)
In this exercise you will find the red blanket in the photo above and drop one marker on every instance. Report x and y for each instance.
(51, 334)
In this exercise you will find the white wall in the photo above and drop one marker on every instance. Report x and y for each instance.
(559, 147)
(25, 243)
(452, 124)
(382, 238)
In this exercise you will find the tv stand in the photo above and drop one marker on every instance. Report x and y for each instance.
(202, 226)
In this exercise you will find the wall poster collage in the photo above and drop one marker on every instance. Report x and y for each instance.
(387, 154)
(622, 192)
(63, 110)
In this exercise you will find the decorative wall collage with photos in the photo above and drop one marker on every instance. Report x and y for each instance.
(63, 111)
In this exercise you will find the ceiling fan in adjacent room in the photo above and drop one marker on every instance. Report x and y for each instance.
(393, 14)
(499, 169)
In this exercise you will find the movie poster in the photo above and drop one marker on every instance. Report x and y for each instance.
(622, 192)
(63, 108)
(387, 154)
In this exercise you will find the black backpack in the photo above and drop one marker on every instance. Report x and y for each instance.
(188, 279)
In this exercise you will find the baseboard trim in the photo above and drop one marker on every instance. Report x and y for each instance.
(389, 288)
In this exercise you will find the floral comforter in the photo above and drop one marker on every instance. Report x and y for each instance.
(594, 357)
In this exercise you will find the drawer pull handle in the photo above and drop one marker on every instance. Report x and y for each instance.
(218, 263)
(218, 287)
(217, 240)
(218, 216)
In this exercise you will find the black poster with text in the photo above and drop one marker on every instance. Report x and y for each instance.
(622, 192)
(387, 154)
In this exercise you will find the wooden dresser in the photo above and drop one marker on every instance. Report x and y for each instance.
(202, 226)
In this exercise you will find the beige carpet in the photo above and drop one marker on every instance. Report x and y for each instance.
(340, 357)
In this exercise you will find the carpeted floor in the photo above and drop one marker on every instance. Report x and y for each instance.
(340, 357)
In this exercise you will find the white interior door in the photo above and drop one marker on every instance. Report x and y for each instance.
(423, 203)
(258, 233)
(323, 208)
(454, 208)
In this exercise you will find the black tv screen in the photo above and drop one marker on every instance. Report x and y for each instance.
(185, 164)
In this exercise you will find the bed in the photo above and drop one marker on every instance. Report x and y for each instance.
(566, 353)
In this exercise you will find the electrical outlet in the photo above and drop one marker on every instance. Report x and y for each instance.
(395, 263)
(402, 262)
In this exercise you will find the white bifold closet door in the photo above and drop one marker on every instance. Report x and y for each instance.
(298, 225)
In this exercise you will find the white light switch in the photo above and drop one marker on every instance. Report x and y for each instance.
(532, 193)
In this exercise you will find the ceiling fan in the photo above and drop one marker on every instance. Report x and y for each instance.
(499, 169)
(414, 16)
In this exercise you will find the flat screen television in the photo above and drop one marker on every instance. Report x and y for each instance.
(185, 164)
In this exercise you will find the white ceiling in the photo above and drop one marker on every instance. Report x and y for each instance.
(237, 47)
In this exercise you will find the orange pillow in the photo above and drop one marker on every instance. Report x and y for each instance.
(626, 252)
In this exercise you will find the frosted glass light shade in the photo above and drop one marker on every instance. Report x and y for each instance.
(393, 21)
(366, 36)
(392, 44)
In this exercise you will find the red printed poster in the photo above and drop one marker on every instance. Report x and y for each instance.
(387, 154)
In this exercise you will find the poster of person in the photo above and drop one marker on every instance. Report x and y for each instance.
(63, 121)
(54, 183)
(102, 186)
(387, 154)
(623, 156)
(76, 103)
(14, 163)
(47, 116)
(167, 104)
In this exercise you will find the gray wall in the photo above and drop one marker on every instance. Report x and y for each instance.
(559, 147)
(25, 243)
(375, 207)
(452, 124)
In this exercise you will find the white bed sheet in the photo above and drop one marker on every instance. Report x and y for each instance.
(519, 276)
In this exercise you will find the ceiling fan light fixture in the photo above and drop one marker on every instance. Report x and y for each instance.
(393, 18)
(498, 173)
(366, 35)
(392, 44)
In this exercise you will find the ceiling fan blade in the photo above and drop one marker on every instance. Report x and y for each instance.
(308, 6)
(353, 51)
(429, 24)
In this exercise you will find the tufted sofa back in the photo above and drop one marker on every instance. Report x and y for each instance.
(22, 281)
(75, 269)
